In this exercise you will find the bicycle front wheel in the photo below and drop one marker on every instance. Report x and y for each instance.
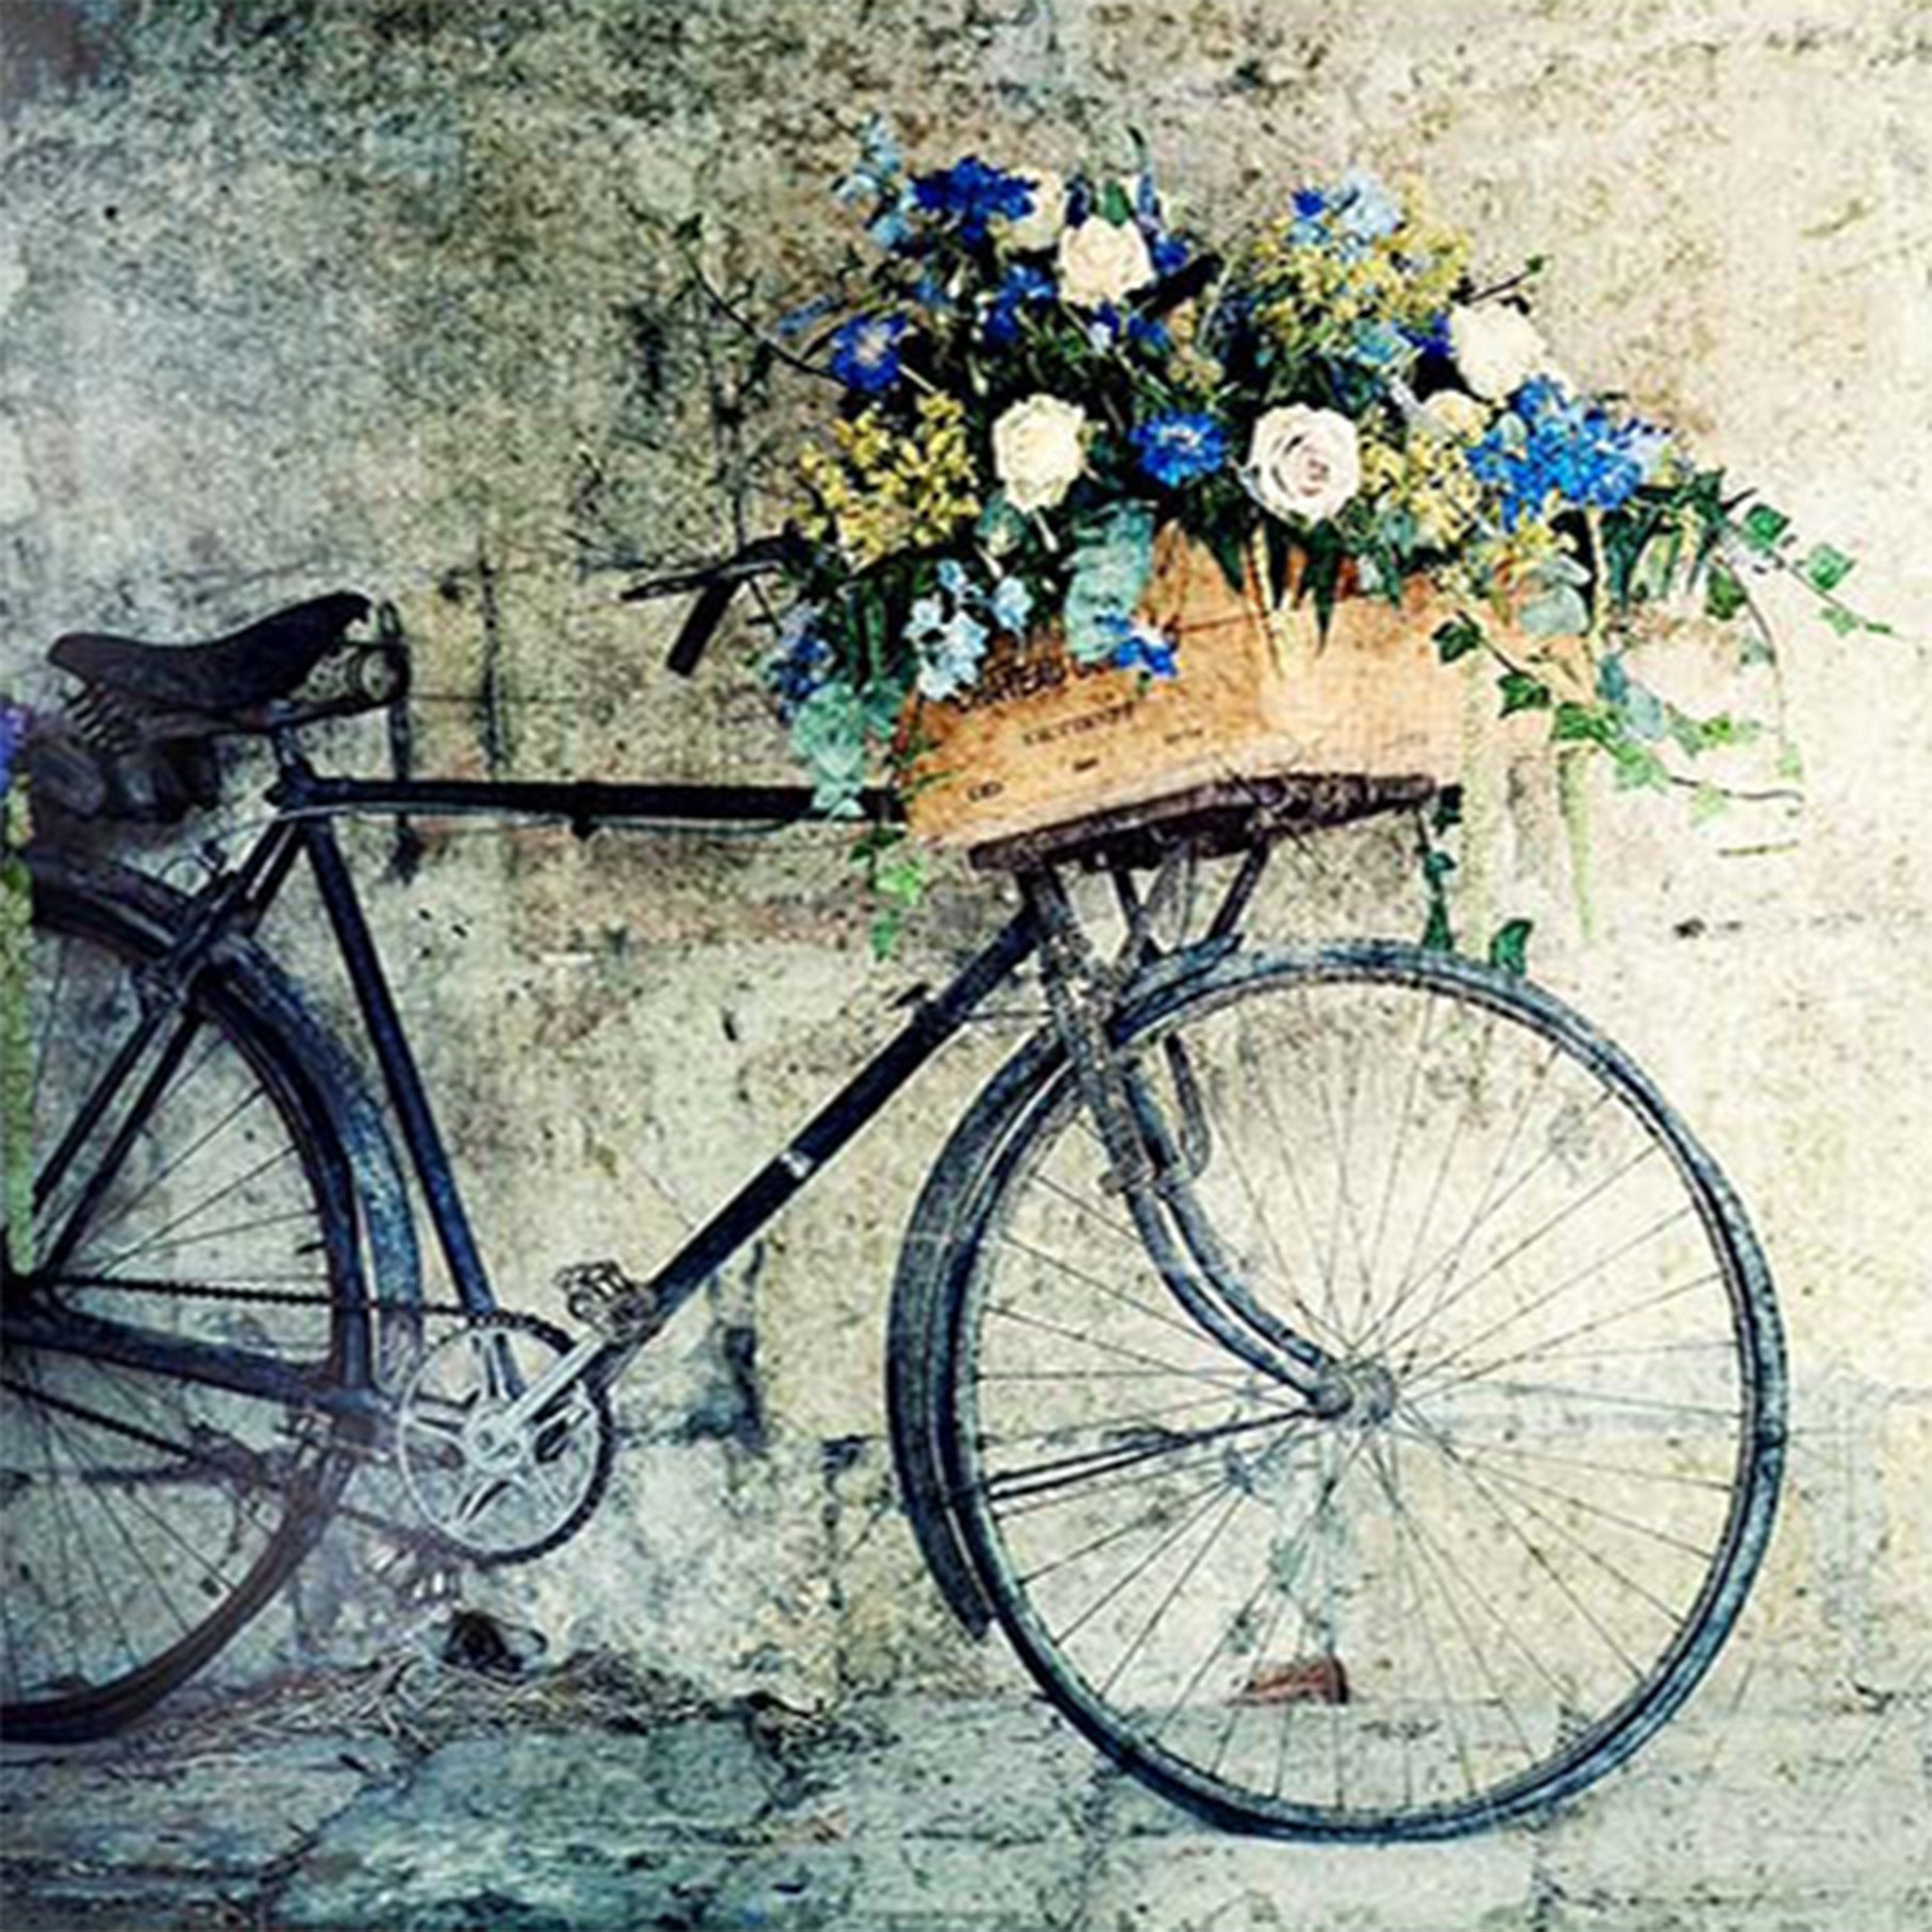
(1505, 1539)
(167, 1455)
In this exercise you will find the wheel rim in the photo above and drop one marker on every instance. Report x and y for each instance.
(1510, 1538)
(144, 1520)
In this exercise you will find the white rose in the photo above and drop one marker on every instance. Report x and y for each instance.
(1039, 228)
(1038, 450)
(1496, 347)
(1101, 261)
(1303, 462)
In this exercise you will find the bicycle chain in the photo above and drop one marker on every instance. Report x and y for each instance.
(421, 1542)
(274, 1297)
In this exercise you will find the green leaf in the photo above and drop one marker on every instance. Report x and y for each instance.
(1510, 946)
(1707, 802)
(1790, 767)
(1723, 595)
(1826, 569)
(1280, 556)
(1001, 526)
(1522, 692)
(1114, 205)
(828, 736)
(1457, 637)
(1582, 724)
(1439, 935)
(1644, 710)
(1231, 554)
(1556, 613)
(1843, 621)
(1113, 560)
(1763, 526)
(1638, 767)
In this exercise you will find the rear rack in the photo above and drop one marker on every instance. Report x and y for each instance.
(1206, 821)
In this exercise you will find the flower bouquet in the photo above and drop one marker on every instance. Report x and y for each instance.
(1051, 397)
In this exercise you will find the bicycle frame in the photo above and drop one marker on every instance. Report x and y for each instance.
(307, 806)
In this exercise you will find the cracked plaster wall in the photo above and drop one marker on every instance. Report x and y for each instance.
(380, 294)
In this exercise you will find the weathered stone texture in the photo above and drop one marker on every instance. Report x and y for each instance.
(388, 293)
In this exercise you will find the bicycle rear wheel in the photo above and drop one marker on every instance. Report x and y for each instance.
(165, 1458)
(1508, 1539)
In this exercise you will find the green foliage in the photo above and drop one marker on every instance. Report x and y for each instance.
(1723, 595)
(1438, 933)
(895, 871)
(1522, 692)
(1825, 569)
(1763, 528)
(1458, 638)
(1510, 946)
(828, 736)
(1113, 560)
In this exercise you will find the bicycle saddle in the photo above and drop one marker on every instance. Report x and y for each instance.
(225, 677)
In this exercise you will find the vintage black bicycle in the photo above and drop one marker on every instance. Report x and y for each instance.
(1347, 1384)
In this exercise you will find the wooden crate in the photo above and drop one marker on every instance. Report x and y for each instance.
(1040, 739)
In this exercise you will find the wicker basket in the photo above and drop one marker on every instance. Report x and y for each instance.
(1261, 693)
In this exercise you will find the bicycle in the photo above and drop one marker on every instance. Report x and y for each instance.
(1349, 1387)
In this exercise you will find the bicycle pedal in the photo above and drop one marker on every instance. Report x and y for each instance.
(602, 1296)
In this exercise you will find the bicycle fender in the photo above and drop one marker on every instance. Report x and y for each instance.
(924, 1286)
(339, 1087)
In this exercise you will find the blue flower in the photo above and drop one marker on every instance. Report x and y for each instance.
(1011, 605)
(1150, 333)
(13, 724)
(1105, 326)
(972, 195)
(801, 661)
(865, 352)
(1368, 211)
(1168, 253)
(1553, 446)
(1179, 446)
(1139, 646)
(890, 227)
(795, 321)
(1309, 226)
(876, 173)
(948, 645)
(1024, 287)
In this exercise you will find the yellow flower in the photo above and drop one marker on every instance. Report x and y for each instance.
(883, 490)
(1424, 478)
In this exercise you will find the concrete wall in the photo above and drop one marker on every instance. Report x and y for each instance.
(381, 294)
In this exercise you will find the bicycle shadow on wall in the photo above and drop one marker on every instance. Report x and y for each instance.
(1334, 1370)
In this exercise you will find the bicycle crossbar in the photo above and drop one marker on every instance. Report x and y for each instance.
(583, 804)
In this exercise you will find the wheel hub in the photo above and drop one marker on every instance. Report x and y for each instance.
(1360, 1394)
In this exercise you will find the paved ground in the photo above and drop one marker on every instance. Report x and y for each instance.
(423, 1799)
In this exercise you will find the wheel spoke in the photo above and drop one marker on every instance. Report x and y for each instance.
(147, 1516)
(1502, 1538)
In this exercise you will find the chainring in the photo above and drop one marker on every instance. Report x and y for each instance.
(500, 1493)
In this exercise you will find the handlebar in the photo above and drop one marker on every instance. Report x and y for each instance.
(716, 584)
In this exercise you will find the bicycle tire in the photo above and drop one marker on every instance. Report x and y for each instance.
(1632, 1498)
(146, 1519)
